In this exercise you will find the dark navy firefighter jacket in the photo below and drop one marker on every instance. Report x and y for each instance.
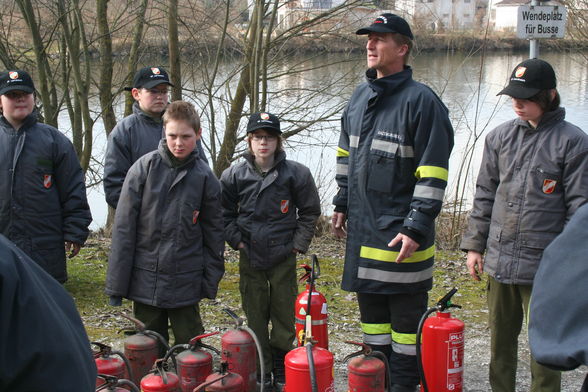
(42, 193)
(392, 168)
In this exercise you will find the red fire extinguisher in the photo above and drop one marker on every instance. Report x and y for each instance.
(160, 380)
(238, 349)
(110, 362)
(142, 349)
(440, 355)
(367, 371)
(193, 364)
(309, 369)
(317, 308)
(223, 381)
(109, 383)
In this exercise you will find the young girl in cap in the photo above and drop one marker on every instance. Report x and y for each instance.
(43, 206)
(533, 177)
(270, 209)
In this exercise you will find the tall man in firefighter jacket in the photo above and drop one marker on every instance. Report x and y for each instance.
(392, 166)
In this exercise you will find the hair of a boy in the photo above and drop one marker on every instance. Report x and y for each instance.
(543, 99)
(400, 40)
(279, 147)
(182, 111)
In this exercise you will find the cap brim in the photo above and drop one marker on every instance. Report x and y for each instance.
(154, 83)
(374, 29)
(519, 92)
(263, 126)
(26, 89)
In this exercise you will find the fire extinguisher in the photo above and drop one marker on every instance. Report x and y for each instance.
(193, 364)
(317, 308)
(367, 371)
(108, 363)
(238, 348)
(109, 383)
(142, 349)
(223, 381)
(309, 369)
(440, 355)
(160, 380)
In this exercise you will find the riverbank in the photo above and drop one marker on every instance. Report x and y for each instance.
(466, 41)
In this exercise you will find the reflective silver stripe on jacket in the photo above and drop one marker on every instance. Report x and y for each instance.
(353, 141)
(393, 148)
(428, 192)
(406, 349)
(342, 169)
(394, 277)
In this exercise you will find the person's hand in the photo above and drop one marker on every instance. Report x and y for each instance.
(408, 246)
(72, 248)
(338, 225)
(296, 251)
(241, 245)
(475, 264)
(115, 300)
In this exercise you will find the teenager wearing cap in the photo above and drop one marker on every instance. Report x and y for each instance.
(138, 133)
(533, 177)
(270, 209)
(43, 206)
(392, 166)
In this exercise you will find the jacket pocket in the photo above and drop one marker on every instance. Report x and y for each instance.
(386, 221)
(279, 246)
(547, 181)
(383, 165)
(531, 247)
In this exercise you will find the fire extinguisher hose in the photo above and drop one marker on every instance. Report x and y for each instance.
(311, 368)
(127, 363)
(259, 354)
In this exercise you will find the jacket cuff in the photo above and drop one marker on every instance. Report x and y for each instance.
(342, 209)
(418, 221)
(415, 236)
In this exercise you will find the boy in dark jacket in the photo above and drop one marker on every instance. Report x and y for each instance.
(167, 239)
(270, 209)
(43, 202)
(138, 133)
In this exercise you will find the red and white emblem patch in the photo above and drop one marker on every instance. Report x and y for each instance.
(549, 186)
(155, 71)
(284, 206)
(47, 181)
(195, 216)
(264, 116)
(13, 75)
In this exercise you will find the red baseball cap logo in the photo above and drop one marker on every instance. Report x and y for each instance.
(13, 75)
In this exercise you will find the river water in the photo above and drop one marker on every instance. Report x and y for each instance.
(467, 83)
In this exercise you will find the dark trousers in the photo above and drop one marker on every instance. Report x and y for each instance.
(389, 324)
(185, 321)
(269, 296)
(508, 304)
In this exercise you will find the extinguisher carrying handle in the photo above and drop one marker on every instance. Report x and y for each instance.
(112, 382)
(196, 340)
(445, 301)
(104, 350)
(238, 320)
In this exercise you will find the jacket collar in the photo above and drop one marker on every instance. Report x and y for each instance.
(388, 83)
(137, 111)
(165, 154)
(280, 156)
(548, 119)
(29, 121)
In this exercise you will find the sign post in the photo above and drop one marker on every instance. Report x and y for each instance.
(535, 22)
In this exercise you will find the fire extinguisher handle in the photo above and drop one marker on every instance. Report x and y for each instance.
(238, 320)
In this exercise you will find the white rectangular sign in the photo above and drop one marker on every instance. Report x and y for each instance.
(541, 21)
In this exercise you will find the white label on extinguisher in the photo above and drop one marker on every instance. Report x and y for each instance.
(324, 308)
(455, 361)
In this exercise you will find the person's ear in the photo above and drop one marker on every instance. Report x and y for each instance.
(135, 93)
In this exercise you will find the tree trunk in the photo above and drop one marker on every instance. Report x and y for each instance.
(175, 70)
(105, 84)
(134, 53)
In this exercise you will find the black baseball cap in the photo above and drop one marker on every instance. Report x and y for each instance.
(388, 23)
(149, 77)
(528, 78)
(16, 80)
(263, 120)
